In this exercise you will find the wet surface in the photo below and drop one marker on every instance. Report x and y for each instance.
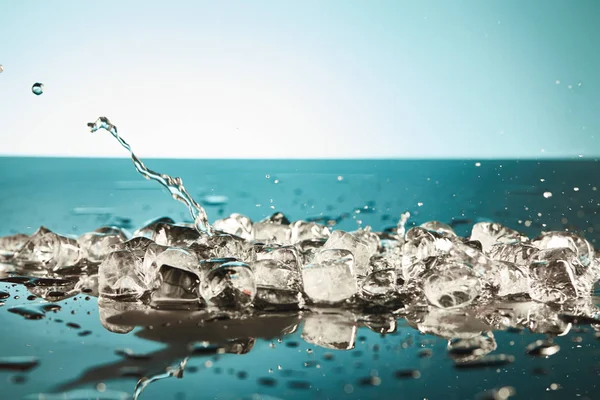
(73, 345)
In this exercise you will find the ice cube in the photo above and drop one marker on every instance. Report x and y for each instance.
(308, 249)
(287, 255)
(360, 251)
(277, 283)
(139, 243)
(277, 218)
(379, 287)
(121, 277)
(170, 256)
(419, 245)
(236, 224)
(554, 240)
(303, 230)
(114, 230)
(517, 253)
(491, 233)
(223, 246)
(553, 276)
(439, 227)
(228, 285)
(452, 285)
(11, 244)
(175, 235)
(370, 239)
(49, 250)
(178, 289)
(149, 228)
(331, 331)
(329, 279)
(96, 246)
(268, 232)
(507, 279)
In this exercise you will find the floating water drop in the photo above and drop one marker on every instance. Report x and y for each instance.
(547, 194)
(37, 88)
(1, 68)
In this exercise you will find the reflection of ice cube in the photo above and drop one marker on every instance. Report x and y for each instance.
(452, 285)
(360, 251)
(49, 250)
(469, 349)
(228, 285)
(491, 233)
(329, 279)
(110, 311)
(236, 224)
(331, 331)
(121, 276)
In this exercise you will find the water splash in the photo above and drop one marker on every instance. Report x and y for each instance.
(173, 185)
(176, 371)
(401, 227)
(37, 88)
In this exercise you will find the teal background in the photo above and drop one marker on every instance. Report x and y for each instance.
(310, 79)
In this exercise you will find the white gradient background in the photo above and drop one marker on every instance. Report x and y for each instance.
(303, 79)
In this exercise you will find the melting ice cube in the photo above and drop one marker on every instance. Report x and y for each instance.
(329, 279)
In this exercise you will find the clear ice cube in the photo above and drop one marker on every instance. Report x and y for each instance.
(452, 285)
(138, 243)
(360, 251)
(11, 244)
(223, 246)
(48, 250)
(329, 279)
(96, 246)
(228, 285)
(517, 253)
(308, 248)
(236, 224)
(149, 228)
(287, 255)
(491, 233)
(507, 279)
(268, 232)
(370, 239)
(554, 240)
(277, 218)
(277, 282)
(554, 276)
(379, 287)
(303, 230)
(122, 277)
(178, 290)
(419, 245)
(175, 235)
(439, 227)
(330, 331)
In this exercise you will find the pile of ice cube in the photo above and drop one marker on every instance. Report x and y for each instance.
(273, 264)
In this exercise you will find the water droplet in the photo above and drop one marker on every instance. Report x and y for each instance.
(557, 82)
(340, 178)
(547, 194)
(1, 68)
(37, 88)
(18, 363)
(478, 164)
(576, 189)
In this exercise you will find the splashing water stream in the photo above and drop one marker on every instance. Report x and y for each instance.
(174, 185)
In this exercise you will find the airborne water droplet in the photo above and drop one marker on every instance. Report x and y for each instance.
(1, 68)
(37, 88)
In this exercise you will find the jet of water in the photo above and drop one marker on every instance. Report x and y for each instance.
(173, 185)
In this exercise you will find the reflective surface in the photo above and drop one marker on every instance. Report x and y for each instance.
(322, 353)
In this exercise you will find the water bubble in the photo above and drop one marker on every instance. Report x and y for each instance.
(37, 88)
(547, 194)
